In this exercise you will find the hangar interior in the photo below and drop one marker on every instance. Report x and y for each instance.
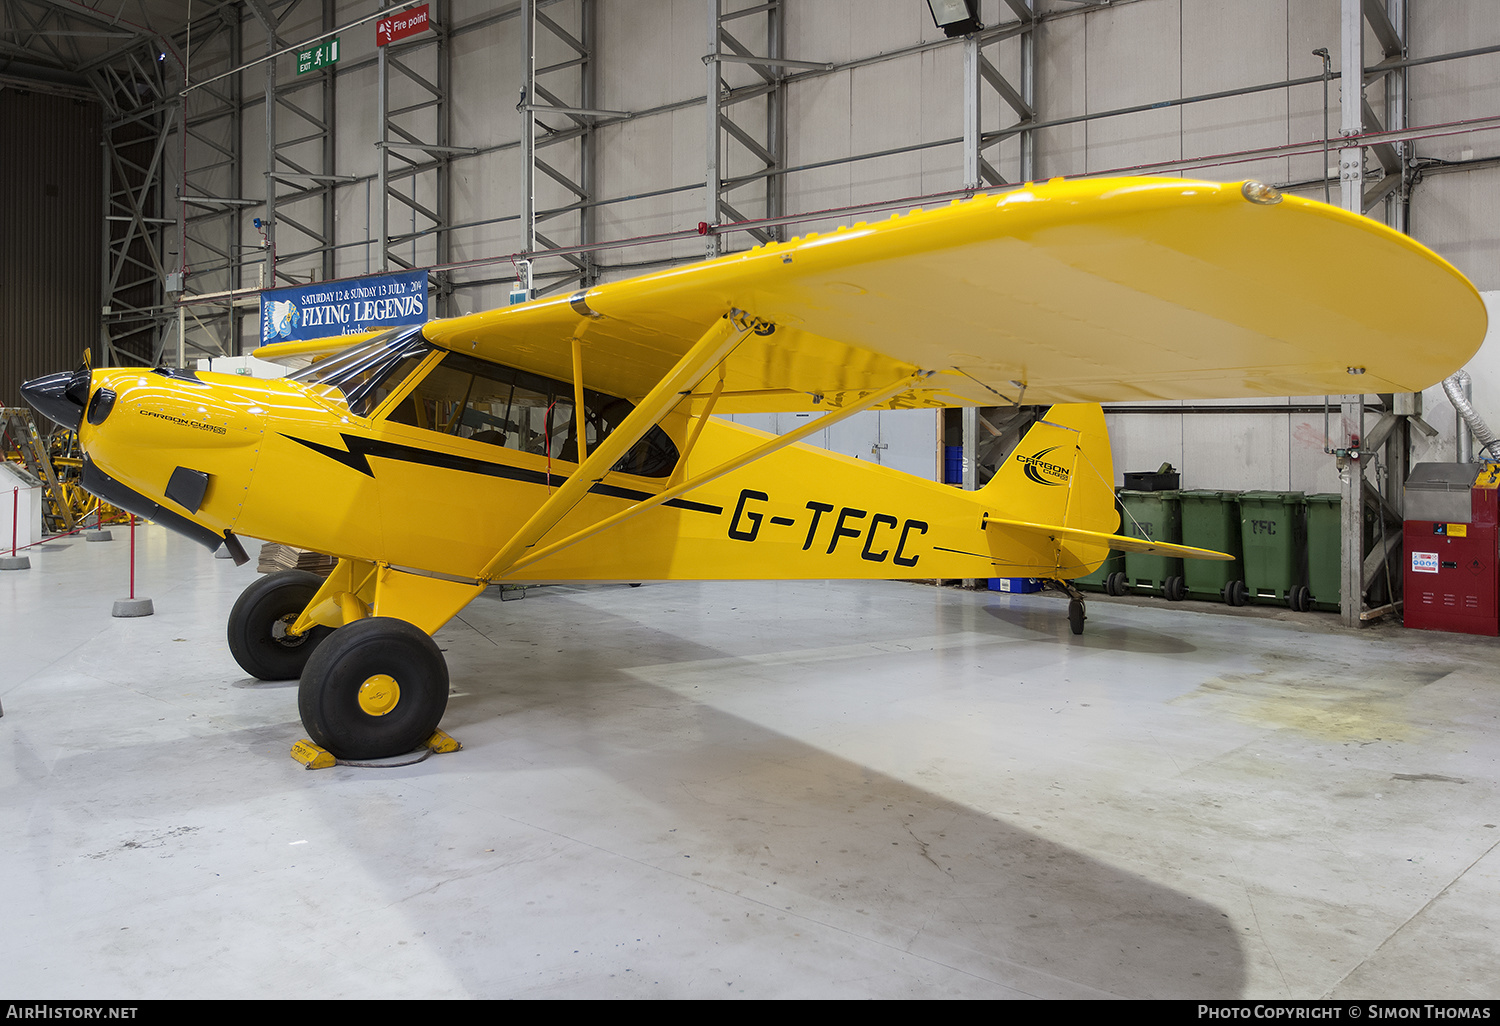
(762, 790)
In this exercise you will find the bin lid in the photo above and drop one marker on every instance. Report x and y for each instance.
(1289, 498)
(1210, 493)
(1442, 477)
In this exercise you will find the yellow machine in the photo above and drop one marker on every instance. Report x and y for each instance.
(572, 439)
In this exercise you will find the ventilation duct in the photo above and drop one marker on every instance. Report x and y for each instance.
(1457, 386)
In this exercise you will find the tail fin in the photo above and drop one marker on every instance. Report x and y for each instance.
(1061, 473)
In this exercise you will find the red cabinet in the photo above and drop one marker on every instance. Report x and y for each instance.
(1452, 543)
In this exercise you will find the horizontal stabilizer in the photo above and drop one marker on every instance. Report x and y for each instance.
(1114, 541)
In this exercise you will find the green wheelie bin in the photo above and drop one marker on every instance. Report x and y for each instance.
(1211, 520)
(1325, 549)
(1158, 517)
(1099, 579)
(1273, 530)
(1114, 563)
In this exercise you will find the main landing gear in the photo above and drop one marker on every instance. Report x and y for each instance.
(371, 689)
(376, 688)
(258, 625)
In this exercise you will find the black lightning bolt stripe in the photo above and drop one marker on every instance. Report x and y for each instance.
(359, 449)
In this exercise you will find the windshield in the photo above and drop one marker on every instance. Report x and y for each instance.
(365, 374)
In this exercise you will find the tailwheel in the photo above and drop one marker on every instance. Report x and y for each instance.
(259, 622)
(1076, 615)
(375, 688)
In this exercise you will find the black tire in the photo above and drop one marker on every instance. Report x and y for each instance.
(1114, 584)
(258, 621)
(1076, 616)
(1239, 594)
(1299, 598)
(1175, 589)
(329, 698)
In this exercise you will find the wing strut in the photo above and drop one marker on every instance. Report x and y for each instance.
(580, 429)
(699, 421)
(715, 344)
(818, 424)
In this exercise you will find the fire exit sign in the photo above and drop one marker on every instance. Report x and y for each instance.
(317, 57)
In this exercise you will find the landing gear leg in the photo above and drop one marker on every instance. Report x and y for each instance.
(1077, 613)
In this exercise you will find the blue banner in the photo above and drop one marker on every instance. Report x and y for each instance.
(343, 307)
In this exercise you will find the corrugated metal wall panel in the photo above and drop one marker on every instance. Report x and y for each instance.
(50, 235)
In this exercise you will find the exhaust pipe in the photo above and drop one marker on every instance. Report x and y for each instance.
(1456, 386)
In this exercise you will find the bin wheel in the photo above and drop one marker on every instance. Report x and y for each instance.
(1175, 589)
(1236, 594)
(1114, 584)
(1076, 616)
(1299, 598)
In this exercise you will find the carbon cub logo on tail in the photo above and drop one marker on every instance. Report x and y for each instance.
(1037, 469)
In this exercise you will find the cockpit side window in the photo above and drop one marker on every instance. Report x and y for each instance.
(485, 402)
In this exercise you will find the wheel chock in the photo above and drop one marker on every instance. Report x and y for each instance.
(440, 742)
(311, 756)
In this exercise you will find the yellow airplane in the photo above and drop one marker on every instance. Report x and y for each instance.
(572, 439)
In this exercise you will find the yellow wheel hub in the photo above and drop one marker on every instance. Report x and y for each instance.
(379, 694)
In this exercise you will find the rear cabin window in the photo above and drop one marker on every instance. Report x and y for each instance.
(485, 402)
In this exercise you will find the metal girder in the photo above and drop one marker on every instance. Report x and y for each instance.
(1024, 9)
(1361, 569)
(765, 144)
(423, 124)
(212, 152)
(568, 93)
(1392, 40)
(979, 71)
(135, 231)
(1385, 153)
(978, 170)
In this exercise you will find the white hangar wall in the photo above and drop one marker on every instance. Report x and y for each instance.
(904, 88)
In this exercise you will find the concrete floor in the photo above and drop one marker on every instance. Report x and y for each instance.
(750, 790)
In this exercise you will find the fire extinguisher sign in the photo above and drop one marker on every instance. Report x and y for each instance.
(1424, 562)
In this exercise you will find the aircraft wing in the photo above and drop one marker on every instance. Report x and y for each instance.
(1095, 290)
